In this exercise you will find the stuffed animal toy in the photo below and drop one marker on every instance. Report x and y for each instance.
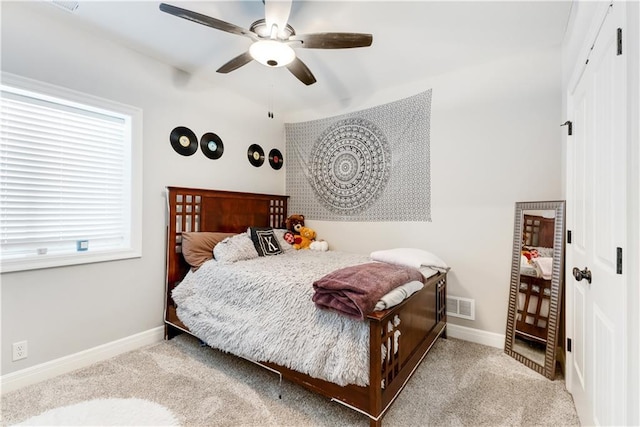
(303, 241)
(319, 245)
(289, 237)
(294, 223)
(530, 254)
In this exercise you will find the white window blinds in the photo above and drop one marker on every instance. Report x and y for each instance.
(66, 177)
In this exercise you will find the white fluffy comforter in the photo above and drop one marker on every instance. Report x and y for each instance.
(261, 309)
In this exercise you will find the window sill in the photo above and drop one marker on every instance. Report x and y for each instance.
(53, 261)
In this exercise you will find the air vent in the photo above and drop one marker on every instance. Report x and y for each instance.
(69, 6)
(464, 308)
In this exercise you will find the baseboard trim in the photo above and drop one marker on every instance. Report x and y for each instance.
(63, 365)
(475, 335)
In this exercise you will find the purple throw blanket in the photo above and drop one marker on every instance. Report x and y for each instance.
(354, 291)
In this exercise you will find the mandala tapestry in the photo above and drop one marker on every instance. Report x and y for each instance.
(371, 165)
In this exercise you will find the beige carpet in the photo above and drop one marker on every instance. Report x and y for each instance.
(458, 384)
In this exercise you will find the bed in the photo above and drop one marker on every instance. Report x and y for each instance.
(398, 338)
(535, 278)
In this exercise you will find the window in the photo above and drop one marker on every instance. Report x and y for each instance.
(70, 177)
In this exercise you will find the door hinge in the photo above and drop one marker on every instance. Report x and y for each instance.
(569, 127)
(569, 345)
(568, 236)
(619, 42)
(618, 260)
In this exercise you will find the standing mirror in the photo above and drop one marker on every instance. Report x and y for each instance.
(535, 296)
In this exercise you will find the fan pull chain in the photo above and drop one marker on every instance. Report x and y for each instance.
(270, 100)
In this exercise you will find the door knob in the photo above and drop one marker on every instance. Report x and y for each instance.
(582, 274)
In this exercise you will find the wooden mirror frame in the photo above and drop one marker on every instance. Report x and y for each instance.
(557, 279)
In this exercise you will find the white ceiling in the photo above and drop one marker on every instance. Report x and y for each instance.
(411, 40)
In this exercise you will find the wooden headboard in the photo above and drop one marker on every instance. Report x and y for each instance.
(538, 231)
(193, 209)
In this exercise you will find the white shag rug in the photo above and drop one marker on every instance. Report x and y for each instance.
(106, 412)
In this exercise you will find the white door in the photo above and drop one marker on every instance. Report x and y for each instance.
(596, 216)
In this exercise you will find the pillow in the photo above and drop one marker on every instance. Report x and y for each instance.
(410, 257)
(235, 248)
(197, 246)
(265, 241)
(541, 250)
(284, 245)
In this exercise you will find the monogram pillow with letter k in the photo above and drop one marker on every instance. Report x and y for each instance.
(265, 241)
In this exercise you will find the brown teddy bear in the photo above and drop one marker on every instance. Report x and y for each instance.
(294, 223)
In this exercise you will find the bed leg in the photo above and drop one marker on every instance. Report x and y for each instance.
(170, 332)
(375, 423)
(444, 332)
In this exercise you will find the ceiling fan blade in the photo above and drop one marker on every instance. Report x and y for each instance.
(206, 20)
(235, 63)
(333, 40)
(301, 71)
(277, 13)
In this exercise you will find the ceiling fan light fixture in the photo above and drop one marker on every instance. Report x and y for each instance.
(272, 53)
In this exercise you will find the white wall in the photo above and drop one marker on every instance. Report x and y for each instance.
(495, 140)
(62, 311)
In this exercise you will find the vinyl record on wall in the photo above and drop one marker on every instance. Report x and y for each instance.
(183, 141)
(211, 145)
(275, 159)
(255, 154)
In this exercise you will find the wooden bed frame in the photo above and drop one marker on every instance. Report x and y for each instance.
(422, 316)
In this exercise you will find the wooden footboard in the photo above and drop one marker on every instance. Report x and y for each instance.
(532, 321)
(407, 332)
(399, 337)
(407, 335)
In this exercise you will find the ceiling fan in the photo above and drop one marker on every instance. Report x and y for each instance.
(274, 39)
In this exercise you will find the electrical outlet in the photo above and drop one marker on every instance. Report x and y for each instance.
(19, 350)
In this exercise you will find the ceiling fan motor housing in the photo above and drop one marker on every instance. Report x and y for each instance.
(259, 27)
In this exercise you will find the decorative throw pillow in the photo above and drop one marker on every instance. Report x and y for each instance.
(197, 246)
(265, 241)
(235, 248)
